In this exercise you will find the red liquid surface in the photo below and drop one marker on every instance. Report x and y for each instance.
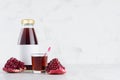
(39, 62)
(28, 37)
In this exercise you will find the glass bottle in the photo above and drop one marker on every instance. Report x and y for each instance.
(28, 42)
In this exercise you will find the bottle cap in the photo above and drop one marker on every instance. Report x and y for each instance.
(27, 22)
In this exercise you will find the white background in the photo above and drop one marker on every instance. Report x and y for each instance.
(79, 31)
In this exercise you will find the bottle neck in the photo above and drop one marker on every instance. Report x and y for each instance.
(27, 26)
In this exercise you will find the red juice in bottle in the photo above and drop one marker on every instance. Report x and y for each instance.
(28, 42)
(28, 37)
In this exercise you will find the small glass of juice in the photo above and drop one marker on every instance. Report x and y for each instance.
(39, 62)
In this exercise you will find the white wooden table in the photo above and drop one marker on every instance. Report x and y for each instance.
(74, 72)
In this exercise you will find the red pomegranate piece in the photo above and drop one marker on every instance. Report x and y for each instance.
(55, 67)
(14, 66)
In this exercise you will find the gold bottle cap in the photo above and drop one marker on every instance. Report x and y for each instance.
(27, 22)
